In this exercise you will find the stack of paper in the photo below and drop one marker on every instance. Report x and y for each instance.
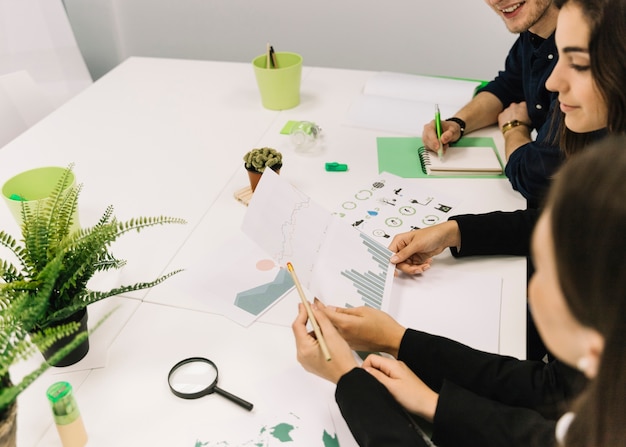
(403, 103)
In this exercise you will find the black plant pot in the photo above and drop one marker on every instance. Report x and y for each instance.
(77, 353)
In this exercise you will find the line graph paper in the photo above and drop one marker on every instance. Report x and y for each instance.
(334, 261)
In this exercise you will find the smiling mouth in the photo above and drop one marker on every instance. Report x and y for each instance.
(512, 8)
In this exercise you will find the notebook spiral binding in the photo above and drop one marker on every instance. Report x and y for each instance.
(424, 157)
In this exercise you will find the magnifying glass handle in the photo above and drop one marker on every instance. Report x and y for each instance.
(238, 400)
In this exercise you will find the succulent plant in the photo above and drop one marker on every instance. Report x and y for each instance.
(261, 158)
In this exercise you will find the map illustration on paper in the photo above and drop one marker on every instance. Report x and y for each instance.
(286, 431)
(339, 265)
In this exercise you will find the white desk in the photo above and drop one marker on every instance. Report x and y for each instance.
(159, 137)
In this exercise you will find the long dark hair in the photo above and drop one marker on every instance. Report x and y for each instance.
(588, 225)
(607, 54)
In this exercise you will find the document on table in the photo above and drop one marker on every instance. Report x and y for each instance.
(334, 261)
(242, 282)
(390, 204)
(294, 407)
(403, 103)
(462, 306)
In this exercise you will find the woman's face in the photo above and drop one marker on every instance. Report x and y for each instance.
(561, 332)
(585, 109)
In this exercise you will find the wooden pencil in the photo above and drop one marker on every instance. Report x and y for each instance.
(309, 311)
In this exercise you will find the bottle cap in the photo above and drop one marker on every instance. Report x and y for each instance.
(63, 404)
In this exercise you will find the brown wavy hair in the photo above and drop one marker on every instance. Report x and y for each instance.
(588, 225)
(607, 54)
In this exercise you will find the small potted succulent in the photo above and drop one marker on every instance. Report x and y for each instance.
(257, 160)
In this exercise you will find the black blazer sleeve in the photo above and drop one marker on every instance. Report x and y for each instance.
(496, 233)
(495, 400)
(373, 415)
(463, 415)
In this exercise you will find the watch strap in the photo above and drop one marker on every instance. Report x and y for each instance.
(461, 124)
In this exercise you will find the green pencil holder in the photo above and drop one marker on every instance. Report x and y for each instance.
(279, 87)
(33, 187)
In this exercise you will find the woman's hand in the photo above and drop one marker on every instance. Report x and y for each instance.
(404, 385)
(415, 249)
(365, 328)
(309, 352)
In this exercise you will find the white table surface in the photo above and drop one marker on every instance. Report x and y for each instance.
(161, 136)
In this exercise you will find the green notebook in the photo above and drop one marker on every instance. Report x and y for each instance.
(406, 157)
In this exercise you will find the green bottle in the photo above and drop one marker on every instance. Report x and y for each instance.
(66, 415)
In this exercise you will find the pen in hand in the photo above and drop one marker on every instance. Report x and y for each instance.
(438, 129)
(309, 311)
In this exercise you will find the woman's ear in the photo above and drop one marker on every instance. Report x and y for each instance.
(589, 362)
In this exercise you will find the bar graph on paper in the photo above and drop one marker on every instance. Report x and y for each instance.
(370, 285)
(335, 262)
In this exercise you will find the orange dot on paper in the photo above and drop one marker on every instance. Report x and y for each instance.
(265, 265)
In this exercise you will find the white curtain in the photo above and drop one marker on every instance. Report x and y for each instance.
(36, 36)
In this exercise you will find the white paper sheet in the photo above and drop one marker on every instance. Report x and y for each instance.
(461, 306)
(338, 264)
(403, 103)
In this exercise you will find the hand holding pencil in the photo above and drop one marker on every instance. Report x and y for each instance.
(309, 311)
(310, 354)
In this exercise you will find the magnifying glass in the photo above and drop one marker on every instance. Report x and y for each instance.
(196, 377)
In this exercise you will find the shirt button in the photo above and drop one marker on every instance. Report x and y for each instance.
(538, 107)
(550, 56)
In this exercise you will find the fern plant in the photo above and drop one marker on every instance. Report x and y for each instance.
(19, 338)
(47, 237)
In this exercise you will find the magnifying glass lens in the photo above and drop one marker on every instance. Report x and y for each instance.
(196, 377)
(193, 377)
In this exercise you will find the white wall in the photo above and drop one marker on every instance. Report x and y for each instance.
(455, 38)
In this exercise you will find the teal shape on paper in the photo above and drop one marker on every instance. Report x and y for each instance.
(259, 298)
(282, 432)
(373, 213)
(330, 441)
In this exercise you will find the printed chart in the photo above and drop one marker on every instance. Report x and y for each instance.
(240, 280)
(334, 262)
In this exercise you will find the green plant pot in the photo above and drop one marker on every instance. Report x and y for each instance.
(8, 426)
(77, 353)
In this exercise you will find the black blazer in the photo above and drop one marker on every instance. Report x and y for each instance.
(484, 399)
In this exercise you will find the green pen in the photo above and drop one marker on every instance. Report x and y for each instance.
(438, 129)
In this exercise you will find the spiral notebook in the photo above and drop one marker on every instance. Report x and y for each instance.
(461, 160)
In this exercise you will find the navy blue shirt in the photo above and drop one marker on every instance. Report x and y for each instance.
(528, 65)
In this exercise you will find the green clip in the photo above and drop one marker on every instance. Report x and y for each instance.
(336, 167)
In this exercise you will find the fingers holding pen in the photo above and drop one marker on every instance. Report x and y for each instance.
(450, 133)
